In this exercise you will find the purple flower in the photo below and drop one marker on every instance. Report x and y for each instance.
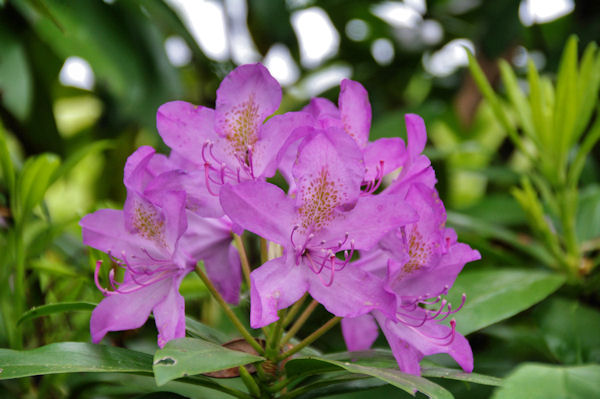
(231, 143)
(419, 261)
(157, 241)
(353, 115)
(326, 216)
(415, 167)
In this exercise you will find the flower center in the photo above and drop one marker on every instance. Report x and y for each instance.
(242, 127)
(320, 196)
(149, 223)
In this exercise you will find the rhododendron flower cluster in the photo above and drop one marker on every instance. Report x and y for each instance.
(367, 253)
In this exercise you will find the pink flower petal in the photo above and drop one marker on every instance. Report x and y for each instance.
(355, 111)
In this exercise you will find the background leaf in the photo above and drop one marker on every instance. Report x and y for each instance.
(497, 294)
(538, 381)
(52, 308)
(72, 357)
(190, 356)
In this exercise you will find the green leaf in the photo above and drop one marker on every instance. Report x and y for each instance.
(383, 358)
(588, 214)
(34, 180)
(540, 381)
(539, 112)
(8, 170)
(406, 382)
(375, 363)
(496, 232)
(188, 356)
(459, 375)
(202, 331)
(587, 89)
(328, 385)
(52, 308)
(497, 294)
(588, 143)
(161, 395)
(518, 99)
(490, 96)
(79, 155)
(570, 330)
(72, 357)
(565, 106)
(124, 49)
(16, 83)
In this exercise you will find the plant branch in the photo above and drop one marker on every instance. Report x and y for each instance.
(311, 338)
(301, 320)
(236, 322)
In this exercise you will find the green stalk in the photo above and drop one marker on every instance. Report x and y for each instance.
(568, 210)
(19, 286)
(239, 243)
(236, 322)
(311, 338)
(264, 251)
(272, 349)
(249, 382)
(243, 258)
(294, 310)
(301, 320)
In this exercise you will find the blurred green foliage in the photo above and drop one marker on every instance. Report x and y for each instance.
(63, 148)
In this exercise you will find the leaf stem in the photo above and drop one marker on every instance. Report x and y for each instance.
(311, 338)
(301, 320)
(236, 322)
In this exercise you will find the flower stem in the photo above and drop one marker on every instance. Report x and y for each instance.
(301, 320)
(272, 349)
(243, 258)
(294, 310)
(239, 243)
(236, 322)
(264, 251)
(311, 338)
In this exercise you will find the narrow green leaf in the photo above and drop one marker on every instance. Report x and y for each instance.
(16, 82)
(539, 114)
(459, 375)
(72, 357)
(328, 385)
(587, 88)
(590, 140)
(395, 377)
(79, 155)
(490, 230)
(488, 93)
(8, 170)
(518, 99)
(202, 331)
(565, 106)
(34, 180)
(188, 356)
(541, 381)
(53, 308)
(383, 358)
(588, 214)
(497, 294)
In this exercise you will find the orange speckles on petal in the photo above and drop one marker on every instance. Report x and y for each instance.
(149, 224)
(242, 124)
(320, 195)
(419, 251)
